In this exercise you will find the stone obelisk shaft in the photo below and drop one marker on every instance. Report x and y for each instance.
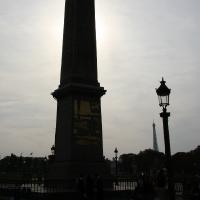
(79, 59)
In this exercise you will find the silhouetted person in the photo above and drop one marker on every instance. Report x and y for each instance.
(140, 180)
(161, 191)
(99, 187)
(81, 188)
(137, 193)
(149, 192)
(144, 189)
(195, 191)
(161, 179)
(89, 188)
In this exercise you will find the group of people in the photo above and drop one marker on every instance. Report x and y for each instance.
(89, 187)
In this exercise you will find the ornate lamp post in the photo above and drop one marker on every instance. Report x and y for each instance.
(52, 156)
(116, 164)
(163, 93)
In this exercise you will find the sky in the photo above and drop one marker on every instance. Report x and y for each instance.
(138, 43)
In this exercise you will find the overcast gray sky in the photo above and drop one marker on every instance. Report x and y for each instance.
(139, 41)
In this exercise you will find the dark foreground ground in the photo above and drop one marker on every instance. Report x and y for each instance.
(107, 196)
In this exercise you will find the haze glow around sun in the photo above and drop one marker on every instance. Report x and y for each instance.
(100, 31)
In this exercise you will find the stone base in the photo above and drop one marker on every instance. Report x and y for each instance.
(73, 170)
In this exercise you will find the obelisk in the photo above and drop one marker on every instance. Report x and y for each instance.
(78, 138)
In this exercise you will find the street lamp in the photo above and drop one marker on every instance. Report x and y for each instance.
(53, 150)
(116, 166)
(163, 93)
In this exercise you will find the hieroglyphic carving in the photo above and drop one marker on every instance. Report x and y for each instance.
(87, 121)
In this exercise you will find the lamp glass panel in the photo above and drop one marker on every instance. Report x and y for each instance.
(164, 100)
